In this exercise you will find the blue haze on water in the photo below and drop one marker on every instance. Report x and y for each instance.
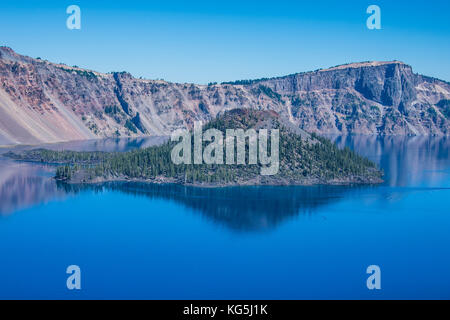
(141, 241)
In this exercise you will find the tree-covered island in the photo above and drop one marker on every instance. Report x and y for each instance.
(304, 159)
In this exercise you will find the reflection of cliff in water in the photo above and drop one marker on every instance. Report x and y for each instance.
(109, 144)
(106, 145)
(23, 185)
(238, 208)
(406, 161)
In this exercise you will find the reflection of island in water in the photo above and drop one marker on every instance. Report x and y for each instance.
(408, 162)
(239, 208)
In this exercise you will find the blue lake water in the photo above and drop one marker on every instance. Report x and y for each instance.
(144, 241)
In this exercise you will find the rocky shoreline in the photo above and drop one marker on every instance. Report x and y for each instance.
(254, 182)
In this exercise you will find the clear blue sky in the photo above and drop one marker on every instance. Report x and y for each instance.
(206, 41)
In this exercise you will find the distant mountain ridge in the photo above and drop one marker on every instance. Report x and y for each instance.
(46, 102)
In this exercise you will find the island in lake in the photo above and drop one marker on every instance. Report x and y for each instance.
(304, 159)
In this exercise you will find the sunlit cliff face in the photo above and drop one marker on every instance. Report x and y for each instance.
(46, 102)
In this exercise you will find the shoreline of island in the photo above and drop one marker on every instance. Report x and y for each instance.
(279, 182)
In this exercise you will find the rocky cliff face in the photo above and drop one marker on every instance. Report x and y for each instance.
(46, 102)
(366, 98)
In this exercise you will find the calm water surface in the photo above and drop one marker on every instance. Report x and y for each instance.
(135, 240)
